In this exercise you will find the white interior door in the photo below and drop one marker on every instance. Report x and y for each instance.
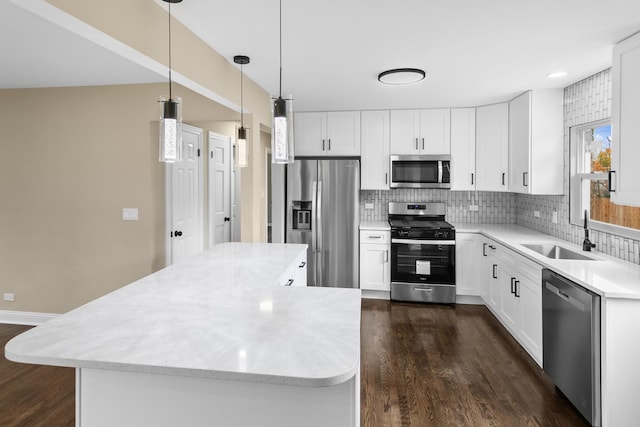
(219, 188)
(185, 199)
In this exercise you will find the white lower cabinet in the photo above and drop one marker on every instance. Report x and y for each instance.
(296, 274)
(468, 265)
(512, 289)
(375, 274)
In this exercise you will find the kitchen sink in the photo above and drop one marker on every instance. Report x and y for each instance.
(558, 252)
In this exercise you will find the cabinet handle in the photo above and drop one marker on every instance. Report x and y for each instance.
(386, 178)
(495, 271)
(329, 144)
(611, 190)
(524, 179)
(289, 282)
(423, 143)
(513, 279)
(503, 175)
(323, 145)
(386, 256)
(492, 247)
(471, 179)
(302, 264)
(375, 237)
(517, 290)
(484, 249)
(416, 143)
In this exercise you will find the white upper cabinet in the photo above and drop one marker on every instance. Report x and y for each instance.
(463, 149)
(536, 142)
(374, 163)
(625, 123)
(421, 131)
(336, 133)
(492, 147)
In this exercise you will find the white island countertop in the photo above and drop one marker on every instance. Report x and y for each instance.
(605, 275)
(219, 315)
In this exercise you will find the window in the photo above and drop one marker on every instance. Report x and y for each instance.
(589, 192)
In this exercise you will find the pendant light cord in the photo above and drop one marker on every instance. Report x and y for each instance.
(280, 48)
(241, 99)
(170, 95)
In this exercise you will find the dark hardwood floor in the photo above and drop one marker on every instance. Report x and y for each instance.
(32, 395)
(436, 365)
(422, 365)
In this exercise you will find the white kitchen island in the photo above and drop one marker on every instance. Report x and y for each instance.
(211, 341)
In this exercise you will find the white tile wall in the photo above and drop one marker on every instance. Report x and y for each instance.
(492, 207)
(585, 101)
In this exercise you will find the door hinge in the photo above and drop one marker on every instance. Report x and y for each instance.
(198, 152)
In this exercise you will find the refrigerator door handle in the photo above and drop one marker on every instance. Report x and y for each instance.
(318, 234)
(314, 224)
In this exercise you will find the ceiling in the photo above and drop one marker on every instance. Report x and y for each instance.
(474, 53)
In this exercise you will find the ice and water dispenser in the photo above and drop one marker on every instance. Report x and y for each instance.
(301, 215)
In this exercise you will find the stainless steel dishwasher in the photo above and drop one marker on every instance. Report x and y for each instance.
(571, 342)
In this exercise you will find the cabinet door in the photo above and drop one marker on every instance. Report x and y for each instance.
(520, 143)
(405, 131)
(375, 274)
(343, 133)
(374, 163)
(530, 322)
(493, 288)
(310, 134)
(482, 255)
(492, 148)
(509, 302)
(463, 149)
(435, 131)
(300, 274)
(467, 264)
(625, 126)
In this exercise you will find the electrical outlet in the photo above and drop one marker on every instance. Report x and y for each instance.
(129, 214)
(474, 208)
(9, 297)
(368, 205)
(554, 217)
(536, 214)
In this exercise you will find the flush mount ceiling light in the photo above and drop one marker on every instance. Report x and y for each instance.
(401, 76)
(557, 74)
(170, 116)
(241, 153)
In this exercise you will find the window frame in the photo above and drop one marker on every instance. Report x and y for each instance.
(579, 185)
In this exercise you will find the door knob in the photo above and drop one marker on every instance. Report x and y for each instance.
(177, 233)
(226, 218)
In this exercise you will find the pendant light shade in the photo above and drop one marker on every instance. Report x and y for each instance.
(282, 129)
(170, 130)
(242, 155)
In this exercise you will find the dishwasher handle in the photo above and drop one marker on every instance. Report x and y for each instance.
(568, 298)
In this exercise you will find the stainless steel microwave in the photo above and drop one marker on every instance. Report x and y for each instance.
(420, 171)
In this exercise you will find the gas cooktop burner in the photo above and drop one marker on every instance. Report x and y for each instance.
(424, 224)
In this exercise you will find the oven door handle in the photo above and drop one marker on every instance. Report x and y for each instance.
(424, 242)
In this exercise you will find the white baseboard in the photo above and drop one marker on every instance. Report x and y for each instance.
(376, 294)
(25, 317)
(469, 299)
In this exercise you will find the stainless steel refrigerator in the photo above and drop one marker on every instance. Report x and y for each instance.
(323, 211)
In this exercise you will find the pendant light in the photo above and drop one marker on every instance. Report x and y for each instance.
(282, 130)
(170, 116)
(241, 145)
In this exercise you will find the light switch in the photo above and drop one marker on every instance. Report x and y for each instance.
(129, 214)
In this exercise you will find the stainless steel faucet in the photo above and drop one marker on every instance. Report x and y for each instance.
(586, 244)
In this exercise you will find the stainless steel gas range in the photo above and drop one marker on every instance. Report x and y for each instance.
(423, 250)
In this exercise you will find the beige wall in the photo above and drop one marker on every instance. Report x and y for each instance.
(70, 160)
(142, 25)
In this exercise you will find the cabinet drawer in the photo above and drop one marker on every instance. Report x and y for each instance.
(372, 236)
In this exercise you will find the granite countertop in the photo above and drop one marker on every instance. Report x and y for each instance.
(220, 314)
(607, 276)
